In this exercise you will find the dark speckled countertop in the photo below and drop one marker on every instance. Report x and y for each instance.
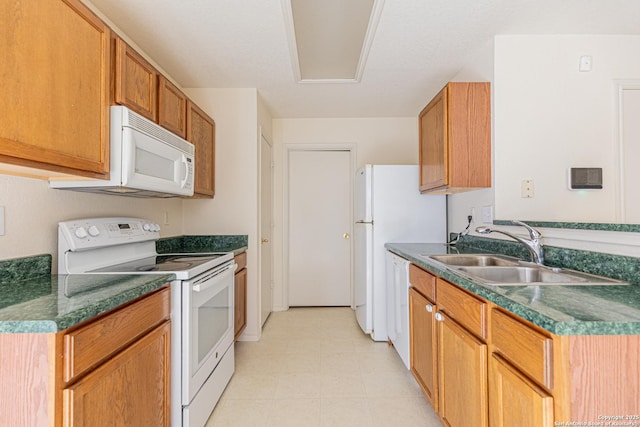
(562, 310)
(195, 244)
(52, 303)
(32, 300)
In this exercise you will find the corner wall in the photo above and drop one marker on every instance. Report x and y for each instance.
(550, 116)
(234, 209)
(479, 69)
(547, 116)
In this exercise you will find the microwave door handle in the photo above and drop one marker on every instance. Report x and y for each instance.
(185, 164)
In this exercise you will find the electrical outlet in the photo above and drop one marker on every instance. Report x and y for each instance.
(1, 220)
(166, 218)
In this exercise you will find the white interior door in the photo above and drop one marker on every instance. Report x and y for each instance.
(266, 221)
(319, 213)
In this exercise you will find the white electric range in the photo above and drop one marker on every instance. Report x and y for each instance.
(202, 301)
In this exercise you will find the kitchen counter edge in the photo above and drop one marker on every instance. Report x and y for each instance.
(52, 313)
(415, 253)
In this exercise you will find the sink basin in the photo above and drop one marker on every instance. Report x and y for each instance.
(480, 260)
(534, 275)
(502, 270)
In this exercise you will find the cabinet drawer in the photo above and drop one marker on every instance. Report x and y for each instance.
(464, 308)
(241, 260)
(89, 345)
(423, 282)
(526, 348)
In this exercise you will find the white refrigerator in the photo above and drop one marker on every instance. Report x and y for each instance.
(389, 208)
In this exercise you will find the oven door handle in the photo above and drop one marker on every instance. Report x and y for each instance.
(200, 287)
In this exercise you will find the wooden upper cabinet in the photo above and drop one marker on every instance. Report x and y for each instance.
(172, 107)
(455, 139)
(201, 132)
(135, 81)
(55, 72)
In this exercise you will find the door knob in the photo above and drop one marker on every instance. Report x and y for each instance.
(265, 240)
(345, 235)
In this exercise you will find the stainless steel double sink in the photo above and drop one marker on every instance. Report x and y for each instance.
(502, 270)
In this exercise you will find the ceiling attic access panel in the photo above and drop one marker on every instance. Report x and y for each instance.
(329, 41)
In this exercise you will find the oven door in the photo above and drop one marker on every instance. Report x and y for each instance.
(207, 326)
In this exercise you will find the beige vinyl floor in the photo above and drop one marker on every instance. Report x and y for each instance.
(315, 367)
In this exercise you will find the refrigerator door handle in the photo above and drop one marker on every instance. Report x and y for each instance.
(364, 222)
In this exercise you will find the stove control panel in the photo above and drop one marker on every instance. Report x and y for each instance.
(92, 233)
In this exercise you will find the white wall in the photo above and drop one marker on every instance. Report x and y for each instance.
(376, 140)
(33, 210)
(549, 117)
(234, 209)
(478, 69)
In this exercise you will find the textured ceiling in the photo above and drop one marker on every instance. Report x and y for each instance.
(418, 46)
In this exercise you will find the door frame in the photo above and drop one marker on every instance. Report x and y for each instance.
(260, 231)
(287, 150)
(619, 185)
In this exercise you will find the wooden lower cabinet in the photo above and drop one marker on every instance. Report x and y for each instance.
(132, 389)
(422, 336)
(515, 400)
(129, 383)
(114, 370)
(240, 294)
(462, 367)
(521, 376)
(497, 369)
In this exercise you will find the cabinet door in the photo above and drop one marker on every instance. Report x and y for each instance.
(462, 370)
(172, 107)
(433, 143)
(132, 389)
(135, 82)
(468, 121)
(455, 139)
(201, 132)
(55, 70)
(422, 331)
(240, 306)
(514, 400)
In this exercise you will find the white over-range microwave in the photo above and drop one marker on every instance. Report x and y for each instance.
(146, 161)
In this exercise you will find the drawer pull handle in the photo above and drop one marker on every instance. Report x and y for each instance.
(429, 308)
(439, 317)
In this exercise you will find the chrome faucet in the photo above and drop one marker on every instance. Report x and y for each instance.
(534, 245)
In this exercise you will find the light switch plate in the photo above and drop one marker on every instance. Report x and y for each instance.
(526, 188)
(1, 220)
(487, 214)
